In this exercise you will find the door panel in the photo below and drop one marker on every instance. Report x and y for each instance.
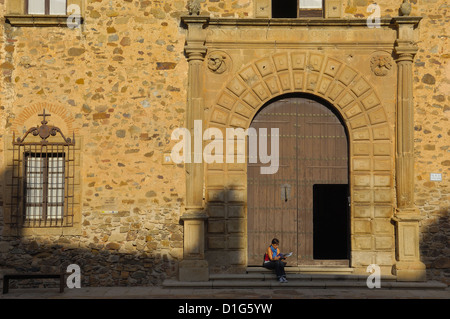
(272, 199)
(313, 151)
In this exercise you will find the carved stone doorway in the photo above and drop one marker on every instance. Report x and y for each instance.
(292, 204)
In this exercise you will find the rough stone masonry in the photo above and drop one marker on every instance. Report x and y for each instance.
(119, 83)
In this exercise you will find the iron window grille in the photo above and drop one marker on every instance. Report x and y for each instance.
(43, 178)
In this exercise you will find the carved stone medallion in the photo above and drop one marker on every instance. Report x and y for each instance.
(217, 62)
(381, 65)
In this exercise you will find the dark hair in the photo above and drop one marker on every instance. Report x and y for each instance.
(275, 241)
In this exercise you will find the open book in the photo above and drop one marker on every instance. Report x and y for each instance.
(285, 255)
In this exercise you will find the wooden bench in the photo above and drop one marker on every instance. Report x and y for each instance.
(7, 278)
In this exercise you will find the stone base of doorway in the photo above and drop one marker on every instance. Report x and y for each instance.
(304, 277)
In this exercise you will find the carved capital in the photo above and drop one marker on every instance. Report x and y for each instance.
(196, 36)
(406, 50)
(405, 34)
(195, 52)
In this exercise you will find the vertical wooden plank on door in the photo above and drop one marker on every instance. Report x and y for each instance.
(303, 160)
(306, 159)
(313, 149)
(271, 215)
(287, 181)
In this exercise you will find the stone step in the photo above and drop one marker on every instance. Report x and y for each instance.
(300, 277)
(323, 277)
(296, 277)
(240, 282)
(305, 270)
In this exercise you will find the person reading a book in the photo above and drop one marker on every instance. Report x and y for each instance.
(274, 260)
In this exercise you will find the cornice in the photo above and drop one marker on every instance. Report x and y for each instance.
(297, 22)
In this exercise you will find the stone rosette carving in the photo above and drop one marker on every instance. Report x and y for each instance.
(217, 62)
(381, 65)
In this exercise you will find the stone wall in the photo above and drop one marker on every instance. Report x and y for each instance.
(122, 77)
(431, 120)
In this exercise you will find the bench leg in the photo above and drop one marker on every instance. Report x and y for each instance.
(5, 285)
(61, 284)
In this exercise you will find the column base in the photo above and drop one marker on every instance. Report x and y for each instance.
(193, 270)
(410, 271)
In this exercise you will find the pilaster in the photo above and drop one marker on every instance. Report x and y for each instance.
(408, 266)
(194, 267)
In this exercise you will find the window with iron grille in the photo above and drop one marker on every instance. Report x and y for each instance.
(43, 178)
(44, 186)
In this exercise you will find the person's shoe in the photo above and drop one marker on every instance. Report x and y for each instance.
(284, 279)
(281, 279)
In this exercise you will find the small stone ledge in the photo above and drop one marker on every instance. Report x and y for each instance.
(38, 20)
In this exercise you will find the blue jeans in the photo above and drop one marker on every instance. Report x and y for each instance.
(276, 265)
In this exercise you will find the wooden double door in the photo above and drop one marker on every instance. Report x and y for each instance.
(305, 203)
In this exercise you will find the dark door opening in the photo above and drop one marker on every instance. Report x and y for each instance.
(330, 221)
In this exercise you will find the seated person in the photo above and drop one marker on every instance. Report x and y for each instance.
(273, 260)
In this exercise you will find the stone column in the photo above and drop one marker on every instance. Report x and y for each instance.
(408, 266)
(194, 267)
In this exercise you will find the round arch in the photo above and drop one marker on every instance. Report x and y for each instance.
(349, 94)
(341, 86)
(304, 202)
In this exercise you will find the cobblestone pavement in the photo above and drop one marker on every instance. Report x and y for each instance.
(165, 293)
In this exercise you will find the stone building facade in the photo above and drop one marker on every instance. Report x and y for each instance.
(132, 72)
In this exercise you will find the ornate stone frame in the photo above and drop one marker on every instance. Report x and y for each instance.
(381, 147)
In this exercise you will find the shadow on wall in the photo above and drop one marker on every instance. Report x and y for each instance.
(225, 231)
(434, 243)
(435, 246)
(139, 260)
(112, 250)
